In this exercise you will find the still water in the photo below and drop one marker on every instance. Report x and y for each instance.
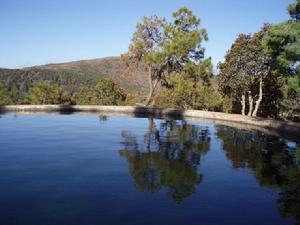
(75, 169)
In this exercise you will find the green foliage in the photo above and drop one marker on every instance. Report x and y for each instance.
(46, 94)
(232, 80)
(105, 92)
(20, 82)
(272, 55)
(4, 97)
(14, 95)
(227, 104)
(201, 72)
(183, 39)
(70, 77)
(208, 99)
(290, 105)
(179, 96)
(165, 48)
(132, 98)
(282, 42)
(248, 75)
(294, 10)
(184, 93)
(145, 47)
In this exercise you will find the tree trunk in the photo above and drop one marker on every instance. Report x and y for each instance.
(148, 134)
(257, 103)
(152, 86)
(194, 101)
(151, 130)
(250, 98)
(243, 102)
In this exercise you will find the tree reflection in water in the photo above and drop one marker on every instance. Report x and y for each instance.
(273, 160)
(168, 157)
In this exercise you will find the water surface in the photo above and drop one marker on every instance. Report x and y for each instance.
(75, 169)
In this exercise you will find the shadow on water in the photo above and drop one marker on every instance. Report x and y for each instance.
(66, 109)
(274, 162)
(172, 114)
(3, 110)
(141, 112)
(61, 109)
(167, 157)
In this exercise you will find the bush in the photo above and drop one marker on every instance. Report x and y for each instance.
(47, 94)
(134, 98)
(208, 99)
(227, 104)
(178, 95)
(4, 97)
(186, 94)
(105, 92)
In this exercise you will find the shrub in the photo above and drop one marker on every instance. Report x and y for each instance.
(186, 94)
(4, 97)
(105, 92)
(47, 94)
(134, 98)
(227, 104)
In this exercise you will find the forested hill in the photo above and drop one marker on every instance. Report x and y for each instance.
(71, 76)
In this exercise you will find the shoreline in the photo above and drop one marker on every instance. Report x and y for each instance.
(286, 127)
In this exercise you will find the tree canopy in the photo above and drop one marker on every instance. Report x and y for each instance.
(244, 71)
(282, 42)
(105, 92)
(165, 48)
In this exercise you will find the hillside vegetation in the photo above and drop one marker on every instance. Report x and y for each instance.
(73, 75)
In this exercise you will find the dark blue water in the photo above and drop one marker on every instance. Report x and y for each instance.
(74, 169)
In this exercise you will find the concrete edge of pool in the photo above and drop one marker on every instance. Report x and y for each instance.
(288, 127)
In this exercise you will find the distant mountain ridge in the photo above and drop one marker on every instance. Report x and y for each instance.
(71, 75)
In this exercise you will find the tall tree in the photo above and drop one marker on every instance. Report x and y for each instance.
(243, 73)
(146, 50)
(166, 47)
(232, 79)
(282, 42)
(294, 10)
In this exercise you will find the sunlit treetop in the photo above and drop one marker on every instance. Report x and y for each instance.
(294, 10)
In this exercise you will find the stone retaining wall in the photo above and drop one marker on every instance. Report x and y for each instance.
(282, 126)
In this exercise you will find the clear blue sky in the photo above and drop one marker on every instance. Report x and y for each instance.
(49, 31)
